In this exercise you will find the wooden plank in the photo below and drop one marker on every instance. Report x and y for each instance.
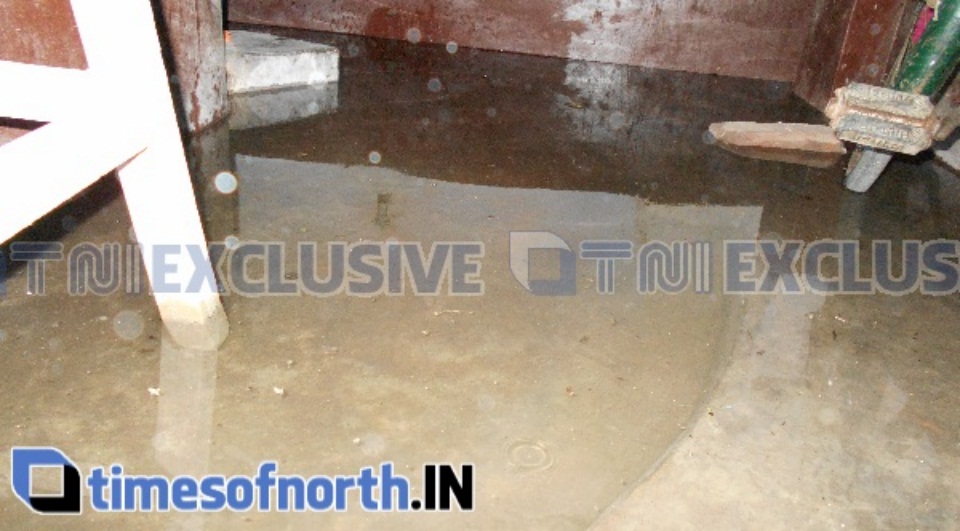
(759, 39)
(810, 145)
(42, 94)
(852, 41)
(194, 35)
(85, 149)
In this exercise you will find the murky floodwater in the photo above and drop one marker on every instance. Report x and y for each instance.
(561, 403)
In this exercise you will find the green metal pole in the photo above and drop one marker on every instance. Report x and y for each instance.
(928, 66)
(926, 69)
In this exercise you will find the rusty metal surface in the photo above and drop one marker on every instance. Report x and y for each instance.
(40, 32)
(761, 39)
(852, 41)
(884, 101)
(883, 134)
(883, 118)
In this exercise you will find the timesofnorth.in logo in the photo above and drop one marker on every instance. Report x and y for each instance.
(112, 489)
(23, 463)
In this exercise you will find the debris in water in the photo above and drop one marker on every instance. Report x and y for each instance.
(382, 218)
(809, 145)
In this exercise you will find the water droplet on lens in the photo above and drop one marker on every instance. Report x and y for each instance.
(232, 242)
(434, 85)
(68, 223)
(413, 35)
(225, 182)
(128, 325)
(452, 47)
(375, 157)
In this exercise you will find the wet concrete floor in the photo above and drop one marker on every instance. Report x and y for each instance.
(614, 410)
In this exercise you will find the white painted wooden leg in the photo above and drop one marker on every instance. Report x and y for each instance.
(164, 214)
(122, 101)
(160, 198)
(156, 183)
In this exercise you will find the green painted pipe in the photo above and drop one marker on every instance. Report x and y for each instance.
(925, 70)
(930, 63)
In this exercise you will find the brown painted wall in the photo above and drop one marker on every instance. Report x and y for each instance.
(44, 32)
(748, 38)
(40, 32)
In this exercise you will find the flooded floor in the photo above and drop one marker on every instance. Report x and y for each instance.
(605, 407)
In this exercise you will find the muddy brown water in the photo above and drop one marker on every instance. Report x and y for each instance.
(561, 403)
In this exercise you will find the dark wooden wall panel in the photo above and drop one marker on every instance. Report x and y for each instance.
(747, 38)
(193, 36)
(852, 40)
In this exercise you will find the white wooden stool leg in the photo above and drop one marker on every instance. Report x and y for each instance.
(160, 198)
(156, 182)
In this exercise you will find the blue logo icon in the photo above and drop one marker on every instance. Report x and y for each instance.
(23, 461)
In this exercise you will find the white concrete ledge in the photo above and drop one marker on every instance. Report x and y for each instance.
(260, 61)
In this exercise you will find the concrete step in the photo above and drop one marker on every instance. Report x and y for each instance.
(261, 61)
